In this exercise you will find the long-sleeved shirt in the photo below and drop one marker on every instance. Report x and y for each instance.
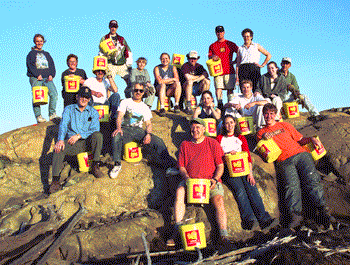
(291, 80)
(264, 86)
(40, 63)
(74, 122)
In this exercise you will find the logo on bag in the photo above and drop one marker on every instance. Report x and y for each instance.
(110, 45)
(217, 68)
(101, 62)
(211, 127)
(244, 126)
(293, 110)
(177, 60)
(237, 165)
(134, 152)
(192, 238)
(199, 191)
(72, 85)
(264, 150)
(39, 94)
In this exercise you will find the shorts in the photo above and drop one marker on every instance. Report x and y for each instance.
(196, 89)
(218, 190)
(225, 82)
(121, 70)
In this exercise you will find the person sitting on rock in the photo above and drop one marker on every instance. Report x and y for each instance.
(79, 131)
(297, 177)
(195, 79)
(167, 83)
(250, 204)
(201, 158)
(100, 87)
(72, 62)
(293, 88)
(247, 104)
(273, 87)
(140, 75)
(132, 113)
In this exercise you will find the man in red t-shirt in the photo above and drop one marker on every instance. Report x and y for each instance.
(223, 49)
(295, 172)
(201, 157)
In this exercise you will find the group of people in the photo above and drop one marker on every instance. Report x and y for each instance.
(261, 97)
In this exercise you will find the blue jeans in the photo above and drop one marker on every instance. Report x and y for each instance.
(163, 159)
(250, 204)
(297, 177)
(113, 103)
(52, 95)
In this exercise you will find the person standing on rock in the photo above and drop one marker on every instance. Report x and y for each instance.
(79, 131)
(297, 177)
(293, 88)
(132, 113)
(201, 158)
(120, 61)
(195, 79)
(41, 71)
(223, 50)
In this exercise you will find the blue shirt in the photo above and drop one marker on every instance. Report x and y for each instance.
(74, 121)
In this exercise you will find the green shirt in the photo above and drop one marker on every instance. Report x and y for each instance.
(291, 80)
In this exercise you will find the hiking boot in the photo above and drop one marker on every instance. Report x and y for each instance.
(250, 225)
(54, 116)
(115, 171)
(161, 112)
(295, 221)
(40, 119)
(171, 171)
(270, 223)
(96, 171)
(323, 218)
(224, 241)
(177, 109)
(55, 186)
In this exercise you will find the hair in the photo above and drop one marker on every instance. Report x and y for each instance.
(273, 62)
(246, 81)
(223, 128)
(141, 59)
(206, 92)
(247, 30)
(269, 106)
(164, 53)
(72, 56)
(36, 36)
(138, 83)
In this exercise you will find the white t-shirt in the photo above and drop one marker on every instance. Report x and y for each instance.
(231, 143)
(244, 101)
(249, 55)
(101, 87)
(135, 113)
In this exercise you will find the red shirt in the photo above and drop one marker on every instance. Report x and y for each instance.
(225, 52)
(200, 160)
(286, 137)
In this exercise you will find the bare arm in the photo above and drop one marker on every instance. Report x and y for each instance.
(113, 86)
(184, 173)
(217, 175)
(147, 138)
(266, 53)
(160, 80)
(119, 124)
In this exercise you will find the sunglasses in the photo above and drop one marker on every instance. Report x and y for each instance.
(139, 90)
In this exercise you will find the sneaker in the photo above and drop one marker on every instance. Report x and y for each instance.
(177, 109)
(54, 116)
(40, 119)
(189, 111)
(162, 112)
(55, 186)
(115, 171)
(171, 171)
(170, 242)
(96, 170)
(295, 221)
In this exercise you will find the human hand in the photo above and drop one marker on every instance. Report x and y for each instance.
(98, 94)
(212, 184)
(40, 78)
(267, 135)
(249, 105)
(49, 78)
(317, 143)
(251, 179)
(259, 65)
(233, 152)
(72, 140)
(147, 139)
(59, 146)
(215, 58)
(114, 134)
(256, 94)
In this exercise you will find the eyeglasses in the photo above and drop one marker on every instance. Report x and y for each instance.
(139, 90)
(285, 62)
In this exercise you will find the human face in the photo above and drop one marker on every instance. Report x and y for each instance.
(165, 60)
(113, 30)
(39, 43)
(269, 117)
(230, 125)
(247, 38)
(72, 63)
(141, 65)
(246, 89)
(138, 92)
(285, 66)
(82, 102)
(207, 99)
(220, 35)
(272, 69)
(193, 61)
(99, 74)
(197, 131)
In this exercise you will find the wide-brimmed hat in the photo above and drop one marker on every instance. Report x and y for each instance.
(193, 54)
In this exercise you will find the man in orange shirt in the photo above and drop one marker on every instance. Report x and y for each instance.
(295, 172)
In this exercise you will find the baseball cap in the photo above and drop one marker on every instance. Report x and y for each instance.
(84, 92)
(113, 24)
(287, 59)
(193, 54)
(198, 121)
(219, 29)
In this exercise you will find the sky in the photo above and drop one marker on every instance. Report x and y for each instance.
(314, 34)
